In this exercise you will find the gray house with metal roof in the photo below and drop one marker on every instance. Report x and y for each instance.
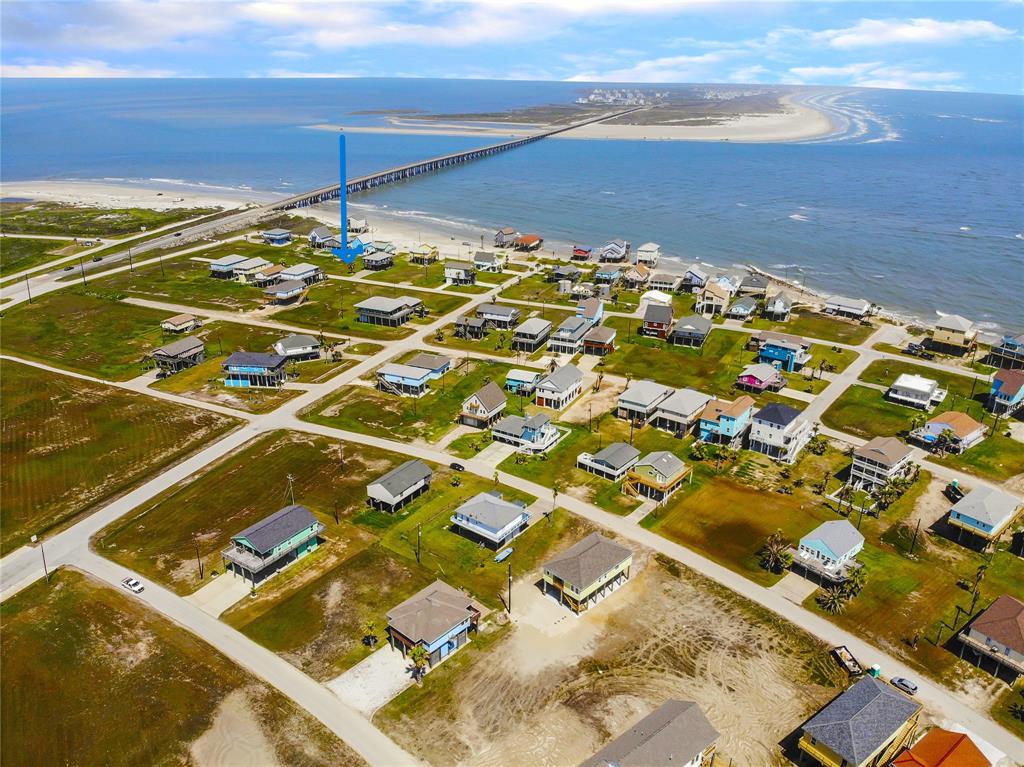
(489, 519)
(179, 355)
(676, 734)
(640, 400)
(612, 462)
(270, 545)
(400, 486)
(868, 724)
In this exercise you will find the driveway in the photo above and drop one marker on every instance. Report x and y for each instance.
(374, 681)
(495, 453)
(795, 588)
(220, 594)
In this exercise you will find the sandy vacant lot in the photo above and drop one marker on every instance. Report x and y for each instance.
(556, 687)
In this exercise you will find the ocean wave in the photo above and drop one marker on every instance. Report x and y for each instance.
(799, 217)
(784, 266)
(965, 228)
(741, 205)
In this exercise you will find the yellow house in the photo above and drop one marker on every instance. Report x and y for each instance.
(656, 476)
(866, 726)
(587, 571)
(423, 254)
(955, 333)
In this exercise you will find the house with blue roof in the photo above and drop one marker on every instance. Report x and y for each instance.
(254, 370)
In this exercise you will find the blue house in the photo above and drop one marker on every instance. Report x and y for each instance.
(985, 512)
(224, 267)
(830, 549)
(254, 369)
(608, 275)
(786, 353)
(273, 543)
(591, 309)
(404, 380)
(726, 422)
(1007, 394)
(277, 237)
(438, 618)
(437, 364)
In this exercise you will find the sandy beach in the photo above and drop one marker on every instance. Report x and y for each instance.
(799, 120)
(103, 194)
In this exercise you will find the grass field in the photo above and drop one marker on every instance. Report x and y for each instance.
(69, 444)
(86, 332)
(330, 307)
(866, 412)
(997, 457)
(103, 665)
(187, 282)
(726, 515)
(368, 411)
(536, 289)
(429, 276)
(819, 326)
(156, 539)
(557, 468)
(20, 253)
(74, 221)
(495, 342)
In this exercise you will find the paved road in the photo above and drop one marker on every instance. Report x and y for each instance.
(369, 742)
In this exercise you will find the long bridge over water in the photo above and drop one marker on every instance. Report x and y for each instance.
(361, 184)
(402, 172)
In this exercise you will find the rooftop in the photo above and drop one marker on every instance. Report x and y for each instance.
(497, 309)
(403, 476)
(277, 528)
(645, 393)
(428, 361)
(716, 408)
(663, 462)
(1004, 622)
(914, 382)
(778, 414)
(675, 733)
(942, 748)
(491, 396)
(563, 378)
(685, 401)
(956, 421)
(586, 561)
(255, 359)
(885, 450)
(988, 504)
(432, 612)
(954, 322)
(616, 455)
(693, 324)
(836, 535)
(491, 511)
(533, 326)
(185, 345)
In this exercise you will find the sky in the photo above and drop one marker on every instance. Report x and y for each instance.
(963, 46)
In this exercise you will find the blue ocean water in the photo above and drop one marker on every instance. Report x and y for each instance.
(917, 203)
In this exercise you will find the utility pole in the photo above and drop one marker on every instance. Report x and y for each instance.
(160, 258)
(510, 588)
(28, 289)
(199, 559)
(914, 539)
(590, 419)
(81, 268)
(419, 538)
(46, 571)
(131, 266)
(291, 487)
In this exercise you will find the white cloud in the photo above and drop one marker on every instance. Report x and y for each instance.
(879, 32)
(295, 73)
(751, 74)
(80, 68)
(667, 69)
(822, 72)
(876, 74)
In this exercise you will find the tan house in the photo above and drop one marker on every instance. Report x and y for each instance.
(423, 254)
(877, 462)
(712, 300)
(181, 323)
(954, 333)
(584, 573)
(484, 406)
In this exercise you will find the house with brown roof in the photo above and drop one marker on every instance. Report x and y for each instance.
(438, 618)
(1006, 396)
(726, 423)
(950, 432)
(712, 300)
(998, 633)
(942, 748)
(676, 734)
(877, 462)
(588, 571)
(484, 406)
(181, 323)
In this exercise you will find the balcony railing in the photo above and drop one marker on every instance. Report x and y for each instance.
(254, 563)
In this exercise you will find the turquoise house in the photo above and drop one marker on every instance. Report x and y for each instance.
(254, 369)
(273, 543)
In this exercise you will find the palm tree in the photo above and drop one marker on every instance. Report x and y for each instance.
(832, 600)
(775, 556)
(420, 660)
(979, 576)
(855, 581)
(371, 632)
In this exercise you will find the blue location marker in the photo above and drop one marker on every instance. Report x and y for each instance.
(346, 254)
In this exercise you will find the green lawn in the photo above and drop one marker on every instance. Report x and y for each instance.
(330, 307)
(75, 221)
(187, 282)
(156, 538)
(963, 392)
(368, 411)
(726, 515)
(101, 661)
(819, 326)
(839, 359)
(68, 445)
(429, 276)
(86, 332)
(363, 348)
(866, 413)
(997, 457)
(20, 253)
(536, 289)
(557, 468)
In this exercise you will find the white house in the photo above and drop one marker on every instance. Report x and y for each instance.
(612, 462)
(557, 389)
(857, 308)
(953, 431)
(487, 261)
(535, 434)
(648, 254)
(307, 273)
(459, 272)
(482, 407)
(181, 323)
(916, 391)
(490, 519)
(878, 461)
(247, 270)
(640, 400)
(779, 432)
(298, 346)
(680, 411)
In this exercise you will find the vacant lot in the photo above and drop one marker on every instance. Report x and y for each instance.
(865, 412)
(330, 306)
(157, 539)
(85, 331)
(429, 276)
(68, 445)
(727, 513)
(495, 342)
(123, 686)
(998, 457)
(74, 221)
(668, 634)
(368, 411)
(819, 326)
(20, 253)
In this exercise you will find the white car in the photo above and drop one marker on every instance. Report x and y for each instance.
(133, 585)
